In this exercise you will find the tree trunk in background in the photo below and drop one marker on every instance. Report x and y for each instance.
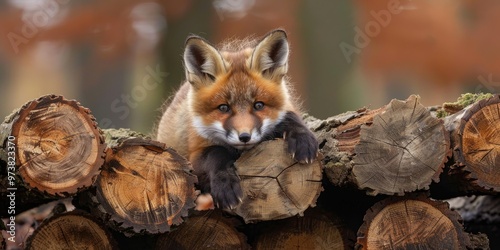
(331, 80)
(196, 20)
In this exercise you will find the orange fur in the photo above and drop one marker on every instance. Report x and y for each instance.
(233, 99)
(238, 84)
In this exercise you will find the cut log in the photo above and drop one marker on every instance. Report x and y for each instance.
(58, 147)
(316, 230)
(52, 146)
(392, 150)
(206, 230)
(475, 139)
(274, 185)
(72, 230)
(412, 222)
(337, 137)
(402, 151)
(144, 187)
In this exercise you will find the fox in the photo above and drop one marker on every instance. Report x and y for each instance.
(234, 97)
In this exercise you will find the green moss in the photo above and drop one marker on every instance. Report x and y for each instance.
(468, 99)
(463, 101)
(441, 113)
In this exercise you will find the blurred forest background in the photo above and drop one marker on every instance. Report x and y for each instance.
(122, 58)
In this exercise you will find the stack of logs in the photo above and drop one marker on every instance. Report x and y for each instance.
(382, 173)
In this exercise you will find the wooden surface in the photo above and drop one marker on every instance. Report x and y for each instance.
(347, 133)
(205, 230)
(274, 185)
(316, 230)
(133, 193)
(477, 142)
(59, 148)
(337, 137)
(411, 223)
(144, 187)
(72, 230)
(402, 151)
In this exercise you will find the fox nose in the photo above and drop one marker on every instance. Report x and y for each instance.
(244, 137)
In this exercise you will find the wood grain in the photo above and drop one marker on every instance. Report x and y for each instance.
(479, 142)
(274, 185)
(413, 222)
(402, 151)
(72, 230)
(318, 229)
(144, 187)
(59, 147)
(205, 230)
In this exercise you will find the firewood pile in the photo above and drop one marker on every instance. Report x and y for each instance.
(385, 179)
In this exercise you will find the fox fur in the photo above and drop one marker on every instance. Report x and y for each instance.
(233, 98)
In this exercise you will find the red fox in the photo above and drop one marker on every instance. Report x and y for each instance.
(233, 98)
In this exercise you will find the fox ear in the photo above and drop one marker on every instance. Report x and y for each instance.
(270, 56)
(202, 61)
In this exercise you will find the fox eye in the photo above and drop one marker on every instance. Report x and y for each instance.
(258, 105)
(224, 108)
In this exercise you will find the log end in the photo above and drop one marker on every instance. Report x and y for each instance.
(414, 222)
(145, 187)
(60, 149)
(274, 185)
(478, 139)
(205, 230)
(402, 151)
(316, 230)
(72, 230)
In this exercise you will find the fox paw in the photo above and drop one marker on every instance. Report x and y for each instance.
(303, 146)
(225, 189)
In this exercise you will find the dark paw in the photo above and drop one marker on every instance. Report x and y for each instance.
(225, 189)
(303, 146)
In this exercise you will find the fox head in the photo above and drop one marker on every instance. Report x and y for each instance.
(238, 96)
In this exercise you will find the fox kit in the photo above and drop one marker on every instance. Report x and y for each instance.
(233, 98)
